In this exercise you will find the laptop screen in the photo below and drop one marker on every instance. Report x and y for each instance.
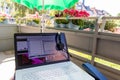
(39, 48)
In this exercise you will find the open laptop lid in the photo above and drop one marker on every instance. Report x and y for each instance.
(34, 49)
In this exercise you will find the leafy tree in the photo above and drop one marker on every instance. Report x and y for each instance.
(118, 14)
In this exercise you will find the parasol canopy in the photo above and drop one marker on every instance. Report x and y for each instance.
(47, 4)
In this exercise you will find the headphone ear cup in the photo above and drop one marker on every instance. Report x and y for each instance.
(60, 46)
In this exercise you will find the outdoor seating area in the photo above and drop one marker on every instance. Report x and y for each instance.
(91, 40)
(81, 50)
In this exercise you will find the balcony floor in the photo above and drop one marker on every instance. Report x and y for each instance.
(7, 65)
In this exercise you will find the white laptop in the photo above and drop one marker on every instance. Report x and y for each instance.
(44, 56)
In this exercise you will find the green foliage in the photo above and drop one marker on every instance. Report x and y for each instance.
(84, 23)
(64, 21)
(20, 10)
(53, 12)
(58, 21)
(2, 18)
(110, 25)
(89, 24)
(37, 20)
(17, 20)
(118, 14)
(75, 21)
(80, 22)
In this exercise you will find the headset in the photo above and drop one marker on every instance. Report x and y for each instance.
(59, 44)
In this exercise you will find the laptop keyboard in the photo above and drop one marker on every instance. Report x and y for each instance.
(53, 74)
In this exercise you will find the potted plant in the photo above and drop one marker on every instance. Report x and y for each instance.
(89, 24)
(70, 24)
(63, 23)
(36, 20)
(57, 22)
(75, 24)
(80, 23)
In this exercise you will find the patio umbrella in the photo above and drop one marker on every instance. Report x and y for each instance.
(47, 4)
